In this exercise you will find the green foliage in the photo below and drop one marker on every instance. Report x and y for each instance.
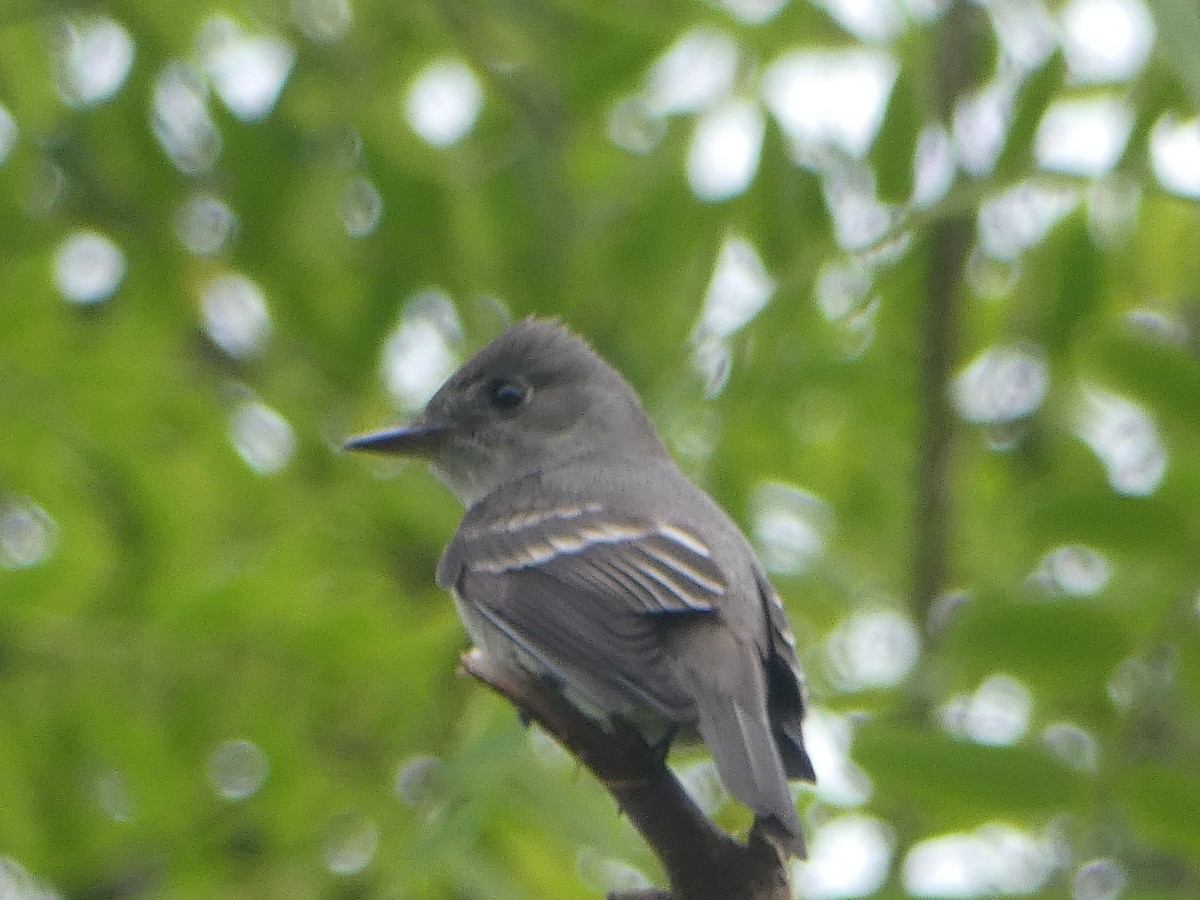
(172, 582)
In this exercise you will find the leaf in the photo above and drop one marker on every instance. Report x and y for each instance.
(1068, 646)
(1161, 802)
(950, 783)
(1164, 378)
(1072, 286)
(1030, 105)
(1156, 93)
(1179, 31)
(895, 146)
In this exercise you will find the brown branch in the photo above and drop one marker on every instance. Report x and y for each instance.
(932, 531)
(951, 241)
(701, 861)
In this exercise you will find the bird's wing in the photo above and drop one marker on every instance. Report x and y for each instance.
(787, 696)
(586, 592)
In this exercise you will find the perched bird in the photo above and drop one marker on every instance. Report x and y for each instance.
(585, 556)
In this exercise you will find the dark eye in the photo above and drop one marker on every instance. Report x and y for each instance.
(506, 395)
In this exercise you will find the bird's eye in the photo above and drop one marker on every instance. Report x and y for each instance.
(506, 395)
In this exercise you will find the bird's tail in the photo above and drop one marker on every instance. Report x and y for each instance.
(728, 689)
(748, 761)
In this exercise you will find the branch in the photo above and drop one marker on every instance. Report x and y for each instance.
(932, 532)
(701, 861)
(951, 241)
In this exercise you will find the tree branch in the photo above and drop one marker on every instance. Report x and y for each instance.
(701, 861)
(951, 241)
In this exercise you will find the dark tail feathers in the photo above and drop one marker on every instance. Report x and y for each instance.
(752, 768)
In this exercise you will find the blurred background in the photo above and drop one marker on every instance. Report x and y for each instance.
(910, 286)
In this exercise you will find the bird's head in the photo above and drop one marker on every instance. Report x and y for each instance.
(533, 398)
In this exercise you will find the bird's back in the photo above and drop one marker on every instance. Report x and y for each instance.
(626, 583)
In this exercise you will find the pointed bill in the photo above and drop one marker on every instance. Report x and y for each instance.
(411, 440)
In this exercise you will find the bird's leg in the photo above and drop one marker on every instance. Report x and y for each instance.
(661, 747)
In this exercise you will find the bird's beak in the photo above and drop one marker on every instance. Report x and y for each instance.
(417, 439)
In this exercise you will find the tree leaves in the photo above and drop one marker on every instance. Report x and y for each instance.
(164, 592)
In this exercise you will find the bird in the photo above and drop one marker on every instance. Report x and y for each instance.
(586, 557)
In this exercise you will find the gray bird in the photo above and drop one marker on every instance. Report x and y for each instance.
(585, 556)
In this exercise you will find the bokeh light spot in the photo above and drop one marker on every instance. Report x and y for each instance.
(633, 127)
(740, 287)
(1098, 879)
(872, 649)
(697, 70)
(841, 288)
(753, 12)
(1113, 204)
(237, 769)
(16, 883)
(112, 794)
(323, 21)
(997, 714)
(235, 315)
(351, 844)
(1106, 40)
(1083, 137)
(248, 72)
(849, 856)
(830, 99)
(1074, 746)
(421, 352)
(944, 609)
(181, 120)
(261, 437)
(859, 219)
(1027, 35)
(420, 782)
(871, 21)
(444, 102)
(996, 860)
(991, 278)
(1001, 385)
(1159, 327)
(1128, 683)
(205, 224)
(790, 527)
(926, 11)
(88, 267)
(28, 536)
(8, 133)
(828, 738)
(1022, 216)
(1074, 570)
(980, 125)
(361, 208)
(712, 359)
(92, 60)
(723, 157)
(1175, 155)
(1125, 440)
(934, 167)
